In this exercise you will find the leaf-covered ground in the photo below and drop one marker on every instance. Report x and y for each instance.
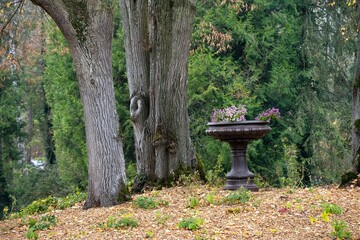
(270, 214)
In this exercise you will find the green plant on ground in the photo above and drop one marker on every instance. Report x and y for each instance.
(145, 202)
(341, 230)
(189, 179)
(215, 176)
(192, 223)
(200, 238)
(71, 199)
(331, 208)
(162, 219)
(163, 203)
(212, 199)
(38, 206)
(124, 221)
(45, 223)
(149, 234)
(234, 210)
(256, 202)
(49, 203)
(241, 195)
(192, 202)
(261, 182)
(149, 202)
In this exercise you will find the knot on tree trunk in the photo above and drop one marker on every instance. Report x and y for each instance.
(159, 140)
(138, 107)
(159, 137)
(172, 147)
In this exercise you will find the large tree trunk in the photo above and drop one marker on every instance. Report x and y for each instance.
(157, 41)
(356, 106)
(88, 28)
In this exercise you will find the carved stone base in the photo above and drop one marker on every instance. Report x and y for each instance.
(234, 184)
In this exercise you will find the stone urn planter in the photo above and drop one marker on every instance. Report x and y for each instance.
(238, 135)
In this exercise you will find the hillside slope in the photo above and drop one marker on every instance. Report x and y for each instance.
(269, 214)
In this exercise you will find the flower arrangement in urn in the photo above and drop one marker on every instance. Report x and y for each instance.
(267, 115)
(230, 125)
(237, 114)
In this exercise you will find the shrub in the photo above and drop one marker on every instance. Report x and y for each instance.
(49, 203)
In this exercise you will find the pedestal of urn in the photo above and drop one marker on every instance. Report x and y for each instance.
(238, 135)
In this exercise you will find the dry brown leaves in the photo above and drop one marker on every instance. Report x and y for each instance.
(271, 214)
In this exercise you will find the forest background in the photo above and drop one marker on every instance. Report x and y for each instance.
(296, 55)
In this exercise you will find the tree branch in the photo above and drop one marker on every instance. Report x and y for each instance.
(21, 3)
(57, 11)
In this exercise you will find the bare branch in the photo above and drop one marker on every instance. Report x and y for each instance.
(21, 3)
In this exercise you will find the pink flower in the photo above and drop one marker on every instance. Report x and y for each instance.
(271, 113)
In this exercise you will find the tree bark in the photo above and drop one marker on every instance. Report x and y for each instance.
(356, 107)
(88, 28)
(157, 41)
(29, 131)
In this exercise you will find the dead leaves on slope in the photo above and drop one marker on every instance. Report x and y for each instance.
(271, 214)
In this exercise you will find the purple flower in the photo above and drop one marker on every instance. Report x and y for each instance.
(229, 114)
(271, 113)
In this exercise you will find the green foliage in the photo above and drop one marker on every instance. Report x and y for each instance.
(241, 195)
(162, 219)
(63, 97)
(341, 230)
(30, 184)
(187, 178)
(192, 202)
(331, 208)
(45, 223)
(212, 199)
(277, 54)
(145, 202)
(124, 221)
(148, 202)
(192, 223)
(10, 132)
(215, 176)
(50, 203)
(149, 234)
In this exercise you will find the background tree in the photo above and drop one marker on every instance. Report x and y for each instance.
(63, 98)
(294, 55)
(157, 40)
(11, 107)
(88, 26)
(356, 104)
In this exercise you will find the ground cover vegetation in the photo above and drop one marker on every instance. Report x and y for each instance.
(325, 212)
(296, 55)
